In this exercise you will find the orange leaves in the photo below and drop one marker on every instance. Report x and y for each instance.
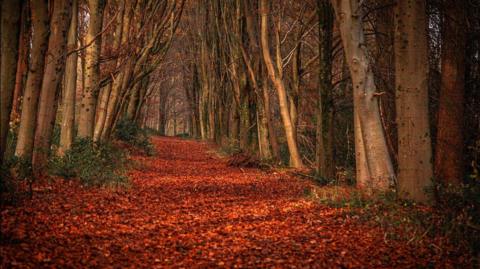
(187, 208)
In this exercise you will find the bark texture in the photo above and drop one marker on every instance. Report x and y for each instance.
(449, 155)
(10, 29)
(411, 86)
(54, 68)
(26, 131)
(86, 121)
(296, 160)
(370, 144)
(70, 85)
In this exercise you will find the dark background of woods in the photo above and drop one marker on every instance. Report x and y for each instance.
(273, 79)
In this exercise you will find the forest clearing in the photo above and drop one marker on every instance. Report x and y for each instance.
(239, 133)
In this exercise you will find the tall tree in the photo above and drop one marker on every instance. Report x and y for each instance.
(23, 52)
(10, 29)
(374, 166)
(324, 148)
(40, 32)
(449, 151)
(88, 102)
(69, 85)
(275, 76)
(54, 68)
(411, 75)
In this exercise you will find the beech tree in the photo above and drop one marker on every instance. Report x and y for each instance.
(373, 163)
(275, 74)
(449, 154)
(53, 73)
(10, 30)
(93, 39)
(342, 91)
(411, 75)
(28, 119)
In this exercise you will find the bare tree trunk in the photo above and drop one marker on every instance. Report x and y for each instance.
(132, 101)
(26, 131)
(106, 93)
(262, 126)
(69, 86)
(372, 139)
(22, 64)
(279, 85)
(411, 75)
(54, 69)
(10, 29)
(271, 128)
(324, 152)
(449, 154)
(86, 119)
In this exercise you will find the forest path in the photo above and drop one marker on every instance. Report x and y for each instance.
(187, 208)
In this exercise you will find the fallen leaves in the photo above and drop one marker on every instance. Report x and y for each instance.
(188, 208)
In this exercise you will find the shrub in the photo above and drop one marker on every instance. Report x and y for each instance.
(15, 172)
(130, 133)
(95, 164)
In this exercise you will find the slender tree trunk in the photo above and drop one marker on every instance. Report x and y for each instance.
(105, 93)
(449, 154)
(372, 139)
(86, 121)
(279, 85)
(54, 69)
(272, 135)
(262, 126)
(324, 152)
(22, 64)
(10, 29)
(411, 76)
(69, 86)
(40, 32)
(133, 101)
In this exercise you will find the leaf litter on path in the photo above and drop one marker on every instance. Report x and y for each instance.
(187, 208)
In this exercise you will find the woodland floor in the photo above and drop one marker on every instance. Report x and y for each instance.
(187, 208)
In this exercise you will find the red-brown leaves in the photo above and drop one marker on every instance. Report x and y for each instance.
(188, 208)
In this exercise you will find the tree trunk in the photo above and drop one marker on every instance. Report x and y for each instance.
(271, 128)
(372, 139)
(10, 29)
(26, 131)
(324, 152)
(449, 152)
(411, 76)
(262, 127)
(70, 86)
(86, 119)
(54, 69)
(296, 160)
(22, 64)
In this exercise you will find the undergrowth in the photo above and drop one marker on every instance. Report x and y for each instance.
(130, 133)
(94, 164)
(15, 175)
(455, 216)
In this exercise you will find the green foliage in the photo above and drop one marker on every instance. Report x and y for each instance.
(13, 172)
(95, 164)
(456, 214)
(460, 207)
(130, 133)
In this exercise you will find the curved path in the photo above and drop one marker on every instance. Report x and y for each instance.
(186, 208)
